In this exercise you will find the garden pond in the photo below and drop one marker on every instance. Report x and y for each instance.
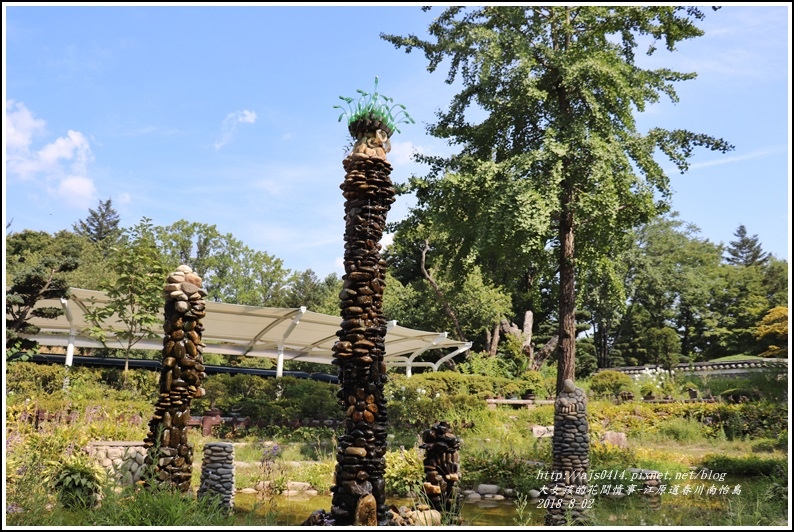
(722, 507)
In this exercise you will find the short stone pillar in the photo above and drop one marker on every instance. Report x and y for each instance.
(570, 459)
(442, 467)
(217, 473)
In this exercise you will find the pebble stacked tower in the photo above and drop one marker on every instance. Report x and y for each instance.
(442, 467)
(570, 458)
(180, 380)
(217, 473)
(359, 491)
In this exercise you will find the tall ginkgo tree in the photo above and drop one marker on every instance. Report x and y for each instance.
(550, 153)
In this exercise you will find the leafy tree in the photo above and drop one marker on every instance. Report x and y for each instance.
(245, 276)
(772, 332)
(135, 292)
(664, 346)
(739, 302)
(101, 224)
(37, 265)
(671, 274)
(195, 244)
(478, 305)
(558, 146)
(308, 290)
(746, 250)
(776, 282)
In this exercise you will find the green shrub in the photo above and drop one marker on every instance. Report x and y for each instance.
(605, 456)
(765, 445)
(739, 395)
(745, 466)
(534, 382)
(688, 385)
(648, 389)
(682, 430)
(77, 481)
(404, 471)
(31, 379)
(610, 382)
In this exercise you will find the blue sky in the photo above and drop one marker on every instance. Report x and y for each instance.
(224, 115)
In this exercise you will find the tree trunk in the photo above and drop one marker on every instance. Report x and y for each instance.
(567, 333)
(526, 345)
(493, 341)
(524, 334)
(440, 296)
(544, 353)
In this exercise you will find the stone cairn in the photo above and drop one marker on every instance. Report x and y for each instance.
(217, 473)
(442, 468)
(180, 380)
(359, 489)
(570, 458)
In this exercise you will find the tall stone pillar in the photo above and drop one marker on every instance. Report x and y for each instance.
(359, 491)
(168, 449)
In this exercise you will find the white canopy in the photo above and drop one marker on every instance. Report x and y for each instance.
(279, 333)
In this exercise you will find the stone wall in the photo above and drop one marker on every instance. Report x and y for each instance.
(123, 460)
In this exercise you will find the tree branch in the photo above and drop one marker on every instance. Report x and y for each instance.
(440, 296)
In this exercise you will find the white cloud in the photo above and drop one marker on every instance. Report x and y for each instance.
(124, 198)
(73, 147)
(20, 127)
(62, 164)
(757, 154)
(77, 191)
(230, 123)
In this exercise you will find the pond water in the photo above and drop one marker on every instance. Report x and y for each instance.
(292, 511)
(639, 510)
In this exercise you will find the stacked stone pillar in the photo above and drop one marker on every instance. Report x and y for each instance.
(442, 467)
(217, 474)
(168, 450)
(570, 459)
(359, 490)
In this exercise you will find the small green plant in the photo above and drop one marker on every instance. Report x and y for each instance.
(373, 107)
(404, 471)
(648, 389)
(78, 481)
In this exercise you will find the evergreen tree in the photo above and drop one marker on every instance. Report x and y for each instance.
(100, 224)
(746, 250)
(37, 264)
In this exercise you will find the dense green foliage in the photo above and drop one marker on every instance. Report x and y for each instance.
(134, 292)
(36, 268)
(275, 401)
(745, 466)
(610, 382)
(557, 148)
